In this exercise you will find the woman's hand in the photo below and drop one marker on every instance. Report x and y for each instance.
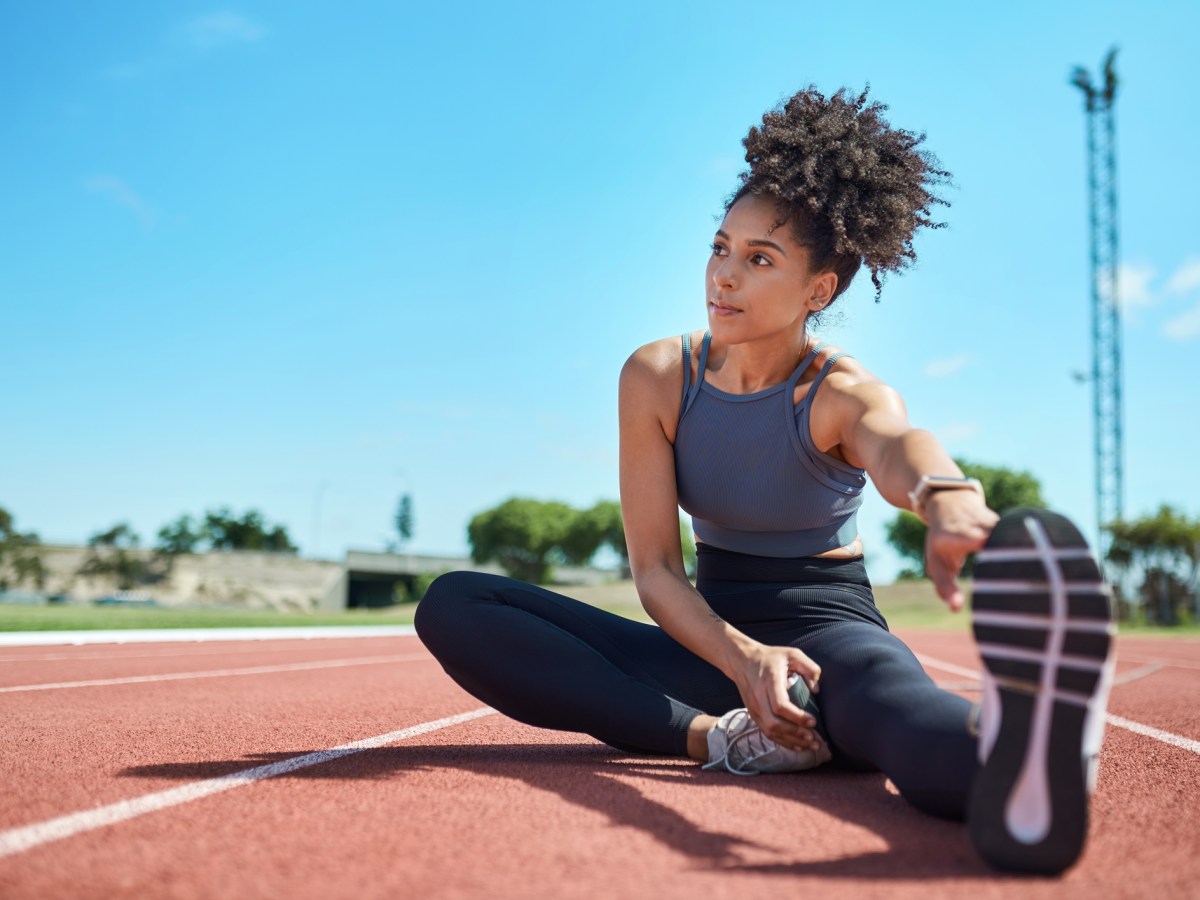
(761, 675)
(959, 524)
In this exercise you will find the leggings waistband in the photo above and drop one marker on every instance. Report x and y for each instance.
(715, 564)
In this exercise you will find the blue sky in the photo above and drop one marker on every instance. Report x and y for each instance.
(308, 258)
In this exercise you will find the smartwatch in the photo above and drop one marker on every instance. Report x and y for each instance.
(930, 483)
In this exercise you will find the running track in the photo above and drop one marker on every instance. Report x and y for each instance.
(121, 779)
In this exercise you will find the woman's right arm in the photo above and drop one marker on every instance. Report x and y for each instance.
(651, 385)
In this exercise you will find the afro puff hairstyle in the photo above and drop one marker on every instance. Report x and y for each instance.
(853, 189)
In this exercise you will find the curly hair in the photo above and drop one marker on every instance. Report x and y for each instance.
(853, 189)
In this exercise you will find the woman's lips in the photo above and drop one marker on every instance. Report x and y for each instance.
(722, 309)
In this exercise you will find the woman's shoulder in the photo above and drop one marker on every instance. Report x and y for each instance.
(849, 394)
(652, 382)
(844, 369)
(660, 358)
(848, 382)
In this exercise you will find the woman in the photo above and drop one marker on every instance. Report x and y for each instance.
(777, 660)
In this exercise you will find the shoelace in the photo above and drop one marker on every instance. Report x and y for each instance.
(743, 730)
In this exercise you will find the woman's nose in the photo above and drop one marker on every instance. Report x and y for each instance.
(723, 274)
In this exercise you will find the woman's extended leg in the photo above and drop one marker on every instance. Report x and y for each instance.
(881, 710)
(553, 662)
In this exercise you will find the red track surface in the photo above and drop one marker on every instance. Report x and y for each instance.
(491, 808)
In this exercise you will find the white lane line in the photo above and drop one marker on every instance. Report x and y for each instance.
(1161, 660)
(220, 673)
(173, 652)
(947, 667)
(1167, 737)
(1137, 674)
(18, 840)
(173, 635)
(968, 687)
(1158, 734)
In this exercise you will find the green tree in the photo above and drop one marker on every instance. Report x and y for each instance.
(592, 529)
(222, 530)
(114, 554)
(1004, 488)
(20, 560)
(404, 519)
(180, 536)
(688, 542)
(1164, 550)
(527, 536)
(524, 536)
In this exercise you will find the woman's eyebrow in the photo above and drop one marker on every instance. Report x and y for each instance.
(770, 244)
(755, 243)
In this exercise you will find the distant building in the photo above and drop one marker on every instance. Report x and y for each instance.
(249, 579)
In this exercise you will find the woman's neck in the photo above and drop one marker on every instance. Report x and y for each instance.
(753, 366)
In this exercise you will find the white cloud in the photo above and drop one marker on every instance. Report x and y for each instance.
(941, 368)
(1133, 285)
(1185, 279)
(221, 29)
(1184, 327)
(121, 193)
(186, 42)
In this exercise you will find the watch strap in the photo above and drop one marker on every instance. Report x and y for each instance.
(927, 484)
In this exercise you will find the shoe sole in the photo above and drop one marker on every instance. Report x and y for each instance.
(1042, 619)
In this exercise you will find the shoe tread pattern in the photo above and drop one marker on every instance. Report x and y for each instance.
(1019, 685)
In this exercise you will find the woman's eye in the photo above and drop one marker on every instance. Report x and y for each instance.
(718, 250)
(760, 260)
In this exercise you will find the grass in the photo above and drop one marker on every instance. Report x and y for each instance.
(906, 604)
(915, 604)
(1143, 629)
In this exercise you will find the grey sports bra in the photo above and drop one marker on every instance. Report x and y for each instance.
(747, 471)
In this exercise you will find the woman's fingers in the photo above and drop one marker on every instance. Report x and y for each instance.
(799, 663)
(959, 525)
(765, 691)
(943, 573)
(789, 734)
(786, 723)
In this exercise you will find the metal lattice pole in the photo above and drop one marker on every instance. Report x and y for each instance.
(1106, 314)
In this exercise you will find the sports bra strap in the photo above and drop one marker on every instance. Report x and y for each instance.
(687, 371)
(690, 388)
(703, 357)
(687, 363)
(821, 377)
(801, 369)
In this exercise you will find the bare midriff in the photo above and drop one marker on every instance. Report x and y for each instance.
(852, 550)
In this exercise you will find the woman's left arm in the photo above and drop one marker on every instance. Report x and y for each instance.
(872, 429)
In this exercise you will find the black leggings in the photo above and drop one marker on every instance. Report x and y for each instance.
(553, 662)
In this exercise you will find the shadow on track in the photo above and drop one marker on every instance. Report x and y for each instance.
(598, 778)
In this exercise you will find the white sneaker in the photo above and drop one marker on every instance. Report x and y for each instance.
(737, 744)
(1043, 623)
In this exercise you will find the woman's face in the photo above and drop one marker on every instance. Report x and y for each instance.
(758, 282)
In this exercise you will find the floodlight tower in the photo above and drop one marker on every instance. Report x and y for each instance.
(1106, 314)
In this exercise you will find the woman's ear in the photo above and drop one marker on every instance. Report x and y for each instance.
(823, 288)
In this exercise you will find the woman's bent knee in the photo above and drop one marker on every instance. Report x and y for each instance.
(441, 605)
(443, 612)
